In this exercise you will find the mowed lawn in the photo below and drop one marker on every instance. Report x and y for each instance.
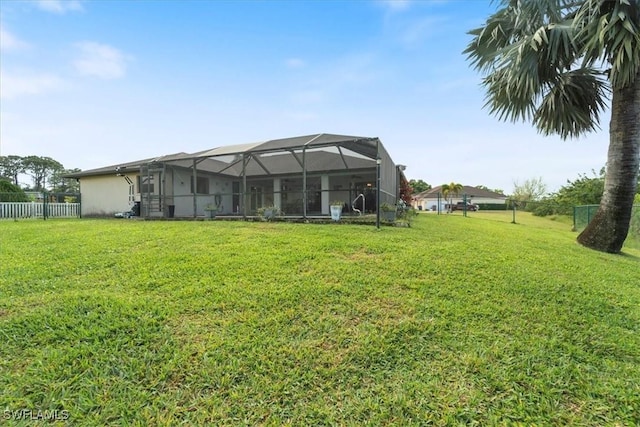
(452, 321)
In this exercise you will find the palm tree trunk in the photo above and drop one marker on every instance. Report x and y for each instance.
(609, 227)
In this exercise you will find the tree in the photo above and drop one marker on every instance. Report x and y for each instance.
(60, 184)
(554, 63)
(495, 190)
(531, 190)
(583, 191)
(449, 190)
(10, 167)
(418, 186)
(586, 190)
(40, 169)
(406, 191)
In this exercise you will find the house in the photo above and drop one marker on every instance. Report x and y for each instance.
(431, 199)
(299, 175)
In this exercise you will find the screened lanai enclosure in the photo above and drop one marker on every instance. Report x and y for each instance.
(301, 176)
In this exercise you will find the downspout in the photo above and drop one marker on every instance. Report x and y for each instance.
(79, 197)
(397, 184)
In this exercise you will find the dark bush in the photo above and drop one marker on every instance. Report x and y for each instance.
(545, 208)
(11, 193)
(492, 206)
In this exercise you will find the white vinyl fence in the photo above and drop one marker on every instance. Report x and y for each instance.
(37, 210)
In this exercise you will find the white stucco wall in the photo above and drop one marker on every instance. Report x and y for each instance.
(105, 195)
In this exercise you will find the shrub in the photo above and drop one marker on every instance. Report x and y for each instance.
(387, 207)
(269, 212)
(492, 206)
(634, 226)
(11, 193)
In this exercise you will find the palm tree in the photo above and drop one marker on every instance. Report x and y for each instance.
(448, 190)
(556, 63)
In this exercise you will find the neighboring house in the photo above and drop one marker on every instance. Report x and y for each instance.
(299, 175)
(428, 200)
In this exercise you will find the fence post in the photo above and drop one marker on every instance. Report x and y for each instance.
(464, 207)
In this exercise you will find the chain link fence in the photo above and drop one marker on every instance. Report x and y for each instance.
(582, 215)
(41, 205)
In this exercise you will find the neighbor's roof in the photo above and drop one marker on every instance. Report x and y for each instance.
(466, 189)
(277, 156)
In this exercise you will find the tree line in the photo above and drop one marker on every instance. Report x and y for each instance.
(46, 174)
(531, 194)
(585, 190)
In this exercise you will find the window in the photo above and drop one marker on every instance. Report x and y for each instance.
(202, 185)
(145, 184)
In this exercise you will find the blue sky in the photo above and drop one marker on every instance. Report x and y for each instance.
(100, 82)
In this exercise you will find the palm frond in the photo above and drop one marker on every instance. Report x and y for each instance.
(524, 70)
(573, 103)
(490, 40)
(610, 30)
(513, 90)
(540, 60)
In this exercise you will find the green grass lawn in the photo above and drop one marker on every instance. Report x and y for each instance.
(452, 321)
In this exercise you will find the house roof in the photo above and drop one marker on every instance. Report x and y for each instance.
(107, 170)
(323, 152)
(366, 146)
(466, 189)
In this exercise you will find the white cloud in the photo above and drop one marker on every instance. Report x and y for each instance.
(295, 63)
(396, 4)
(349, 77)
(362, 68)
(100, 60)
(416, 31)
(59, 6)
(13, 86)
(10, 42)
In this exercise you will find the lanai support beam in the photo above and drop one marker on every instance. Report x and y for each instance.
(193, 187)
(378, 182)
(304, 182)
(346, 166)
(244, 186)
